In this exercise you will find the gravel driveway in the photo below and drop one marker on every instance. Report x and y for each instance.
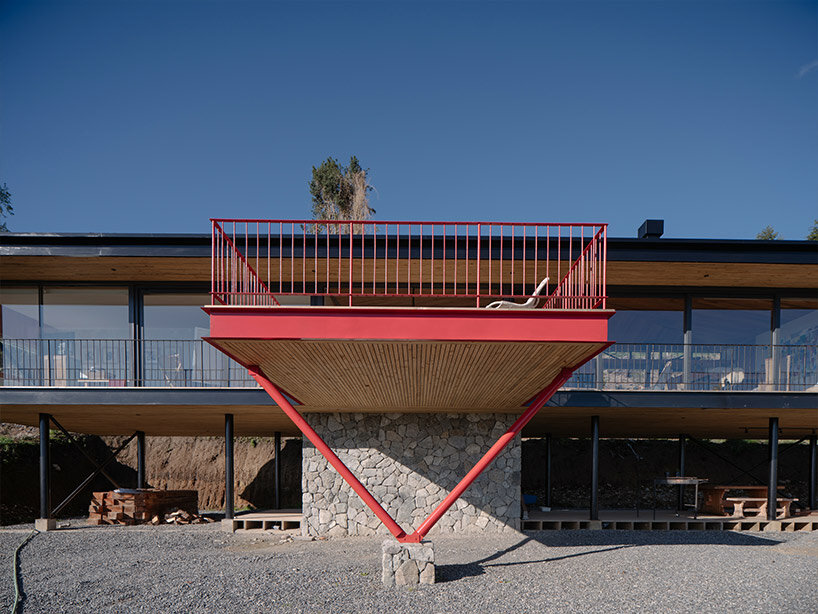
(198, 568)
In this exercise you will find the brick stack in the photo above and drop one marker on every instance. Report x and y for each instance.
(139, 506)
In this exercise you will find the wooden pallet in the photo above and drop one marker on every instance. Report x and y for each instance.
(139, 506)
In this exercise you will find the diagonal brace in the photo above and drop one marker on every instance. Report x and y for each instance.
(73, 440)
(537, 403)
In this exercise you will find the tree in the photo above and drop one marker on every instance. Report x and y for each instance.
(340, 192)
(767, 234)
(813, 234)
(5, 206)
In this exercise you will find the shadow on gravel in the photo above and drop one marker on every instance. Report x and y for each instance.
(451, 573)
(615, 540)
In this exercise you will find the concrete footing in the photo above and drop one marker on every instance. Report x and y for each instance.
(229, 525)
(45, 524)
(407, 564)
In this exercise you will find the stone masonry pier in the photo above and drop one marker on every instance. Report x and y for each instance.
(410, 462)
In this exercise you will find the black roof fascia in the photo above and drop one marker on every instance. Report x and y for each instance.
(251, 396)
(619, 249)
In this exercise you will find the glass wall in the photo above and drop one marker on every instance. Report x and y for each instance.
(727, 322)
(174, 353)
(19, 313)
(176, 316)
(85, 313)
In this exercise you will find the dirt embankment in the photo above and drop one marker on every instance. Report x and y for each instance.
(195, 463)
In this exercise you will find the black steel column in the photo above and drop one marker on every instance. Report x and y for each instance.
(813, 453)
(45, 466)
(548, 470)
(772, 487)
(775, 339)
(277, 476)
(140, 459)
(594, 467)
(681, 502)
(687, 360)
(228, 465)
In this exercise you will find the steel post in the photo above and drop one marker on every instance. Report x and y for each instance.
(548, 470)
(228, 465)
(772, 486)
(687, 359)
(813, 453)
(45, 467)
(140, 459)
(681, 502)
(277, 476)
(594, 468)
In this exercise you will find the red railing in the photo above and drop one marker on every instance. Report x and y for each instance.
(253, 261)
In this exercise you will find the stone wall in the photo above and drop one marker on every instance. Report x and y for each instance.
(410, 462)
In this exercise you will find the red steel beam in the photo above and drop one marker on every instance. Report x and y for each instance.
(481, 465)
(540, 400)
(322, 447)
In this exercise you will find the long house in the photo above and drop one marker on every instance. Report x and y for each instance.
(401, 351)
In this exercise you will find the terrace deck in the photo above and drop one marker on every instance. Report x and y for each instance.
(408, 359)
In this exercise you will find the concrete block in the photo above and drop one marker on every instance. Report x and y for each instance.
(45, 524)
(230, 525)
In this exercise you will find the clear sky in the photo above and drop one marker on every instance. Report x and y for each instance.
(154, 116)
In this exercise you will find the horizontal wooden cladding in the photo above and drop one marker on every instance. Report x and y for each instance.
(264, 421)
(166, 420)
(143, 269)
(397, 376)
(671, 422)
(104, 268)
(723, 274)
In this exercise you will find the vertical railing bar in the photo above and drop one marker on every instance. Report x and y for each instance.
(524, 260)
(280, 262)
(314, 258)
(386, 259)
(445, 279)
(292, 258)
(374, 258)
(455, 260)
(501, 274)
(349, 284)
(479, 232)
(491, 264)
(513, 257)
(420, 234)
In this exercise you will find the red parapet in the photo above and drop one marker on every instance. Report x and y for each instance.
(256, 260)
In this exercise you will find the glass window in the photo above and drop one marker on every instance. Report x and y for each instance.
(176, 316)
(732, 321)
(19, 313)
(85, 313)
(643, 326)
(799, 326)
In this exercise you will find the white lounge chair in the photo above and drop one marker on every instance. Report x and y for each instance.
(531, 303)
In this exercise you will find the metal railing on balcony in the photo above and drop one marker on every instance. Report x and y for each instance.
(255, 260)
(196, 364)
(118, 362)
(641, 366)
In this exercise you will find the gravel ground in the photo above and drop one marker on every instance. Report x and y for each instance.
(199, 568)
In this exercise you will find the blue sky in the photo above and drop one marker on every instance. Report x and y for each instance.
(154, 116)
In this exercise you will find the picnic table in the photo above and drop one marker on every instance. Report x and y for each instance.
(715, 496)
(679, 480)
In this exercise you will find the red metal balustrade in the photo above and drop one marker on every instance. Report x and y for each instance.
(253, 261)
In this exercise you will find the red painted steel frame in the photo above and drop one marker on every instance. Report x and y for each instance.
(481, 465)
(333, 459)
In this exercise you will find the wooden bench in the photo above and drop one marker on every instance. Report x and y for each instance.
(757, 506)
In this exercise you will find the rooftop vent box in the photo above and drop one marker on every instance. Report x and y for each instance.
(651, 229)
